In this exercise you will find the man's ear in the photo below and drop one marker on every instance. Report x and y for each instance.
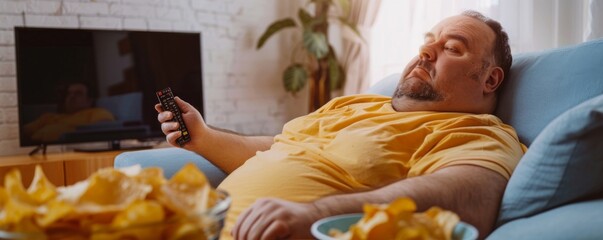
(495, 78)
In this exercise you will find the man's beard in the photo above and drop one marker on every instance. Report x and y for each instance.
(423, 92)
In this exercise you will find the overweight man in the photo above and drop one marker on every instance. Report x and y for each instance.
(434, 141)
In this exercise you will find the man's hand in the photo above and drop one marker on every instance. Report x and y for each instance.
(271, 218)
(193, 119)
(211, 143)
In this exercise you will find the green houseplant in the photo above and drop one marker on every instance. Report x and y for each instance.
(318, 62)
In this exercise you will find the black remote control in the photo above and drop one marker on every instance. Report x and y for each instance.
(166, 98)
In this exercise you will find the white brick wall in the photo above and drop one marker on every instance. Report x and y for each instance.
(8, 84)
(7, 53)
(51, 21)
(243, 87)
(7, 37)
(88, 8)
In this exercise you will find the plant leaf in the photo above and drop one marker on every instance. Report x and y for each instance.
(304, 17)
(351, 26)
(316, 43)
(273, 28)
(295, 78)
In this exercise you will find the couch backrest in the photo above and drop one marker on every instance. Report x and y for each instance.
(541, 86)
(386, 86)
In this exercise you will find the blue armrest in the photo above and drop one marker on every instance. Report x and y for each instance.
(170, 160)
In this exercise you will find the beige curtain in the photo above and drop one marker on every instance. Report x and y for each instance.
(596, 19)
(355, 55)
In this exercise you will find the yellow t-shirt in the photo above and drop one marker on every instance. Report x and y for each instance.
(355, 143)
(51, 126)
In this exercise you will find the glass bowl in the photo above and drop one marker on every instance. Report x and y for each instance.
(198, 226)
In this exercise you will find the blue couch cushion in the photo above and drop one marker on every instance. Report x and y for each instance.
(572, 221)
(386, 86)
(543, 85)
(563, 165)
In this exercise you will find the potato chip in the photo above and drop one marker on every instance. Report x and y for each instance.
(153, 177)
(185, 231)
(132, 223)
(446, 219)
(98, 200)
(189, 176)
(54, 211)
(20, 205)
(14, 187)
(187, 192)
(398, 220)
(4, 197)
(110, 190)
(133, 203)
(138, 213)
(41, 189)
(26, 225)
(15, 211)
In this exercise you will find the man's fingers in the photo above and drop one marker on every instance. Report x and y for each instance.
(168, 127)
(158, 108)
(164, 116)
(252, 219)
(260, 224)
(236, 230)
(245, 229)
(276, 230)
(171, 137)
(183, 105)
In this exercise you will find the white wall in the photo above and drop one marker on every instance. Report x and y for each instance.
(243, 87)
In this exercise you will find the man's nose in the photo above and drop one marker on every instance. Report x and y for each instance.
(426, 53)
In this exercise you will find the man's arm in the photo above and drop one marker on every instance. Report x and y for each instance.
(472, 192)
(225, 149)
(229, 150)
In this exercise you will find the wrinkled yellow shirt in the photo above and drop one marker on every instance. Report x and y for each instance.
(354, 143)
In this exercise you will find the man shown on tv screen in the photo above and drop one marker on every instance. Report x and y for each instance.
(76, 108)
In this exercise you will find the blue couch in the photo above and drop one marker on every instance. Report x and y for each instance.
(554, 99)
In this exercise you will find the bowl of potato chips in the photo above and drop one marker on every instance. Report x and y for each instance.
(131, 203)
(397, 220)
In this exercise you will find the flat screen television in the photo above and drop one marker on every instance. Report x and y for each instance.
(81, 85)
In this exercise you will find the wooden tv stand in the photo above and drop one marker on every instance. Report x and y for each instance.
(61, 168)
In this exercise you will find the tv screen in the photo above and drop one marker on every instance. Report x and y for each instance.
(77, 85)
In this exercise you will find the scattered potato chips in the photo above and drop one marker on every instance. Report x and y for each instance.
(111, 204)
(398, 220)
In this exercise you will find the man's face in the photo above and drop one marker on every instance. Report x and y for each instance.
(453, 72)
(77, 98)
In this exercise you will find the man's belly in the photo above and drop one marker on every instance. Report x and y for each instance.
(295, 179)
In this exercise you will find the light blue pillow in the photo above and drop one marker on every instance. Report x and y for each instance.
(386, 86)
(564, 164)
